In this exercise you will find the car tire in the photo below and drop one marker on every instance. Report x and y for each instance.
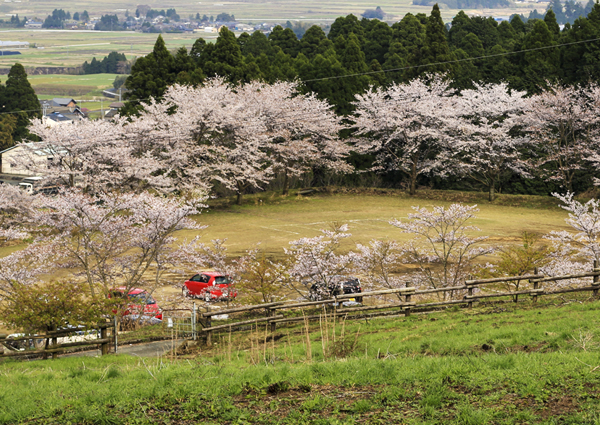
(207, 296)
(185, 292)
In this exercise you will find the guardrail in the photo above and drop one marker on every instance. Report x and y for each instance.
(405, 305)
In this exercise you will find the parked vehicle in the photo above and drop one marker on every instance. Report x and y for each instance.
(210, 286)
(338, 285)
(36, 184)
(139, 302)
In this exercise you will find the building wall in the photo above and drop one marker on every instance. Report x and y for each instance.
(21, 155)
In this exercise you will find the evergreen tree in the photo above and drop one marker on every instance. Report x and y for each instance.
(468, 72)
(184, 66)
(257, 44)
(507, 34)
(226, 58)
(76, 16)
(461, 26)
(8, 125)
(346, 25)
(151, 75)
(377, 42)
(436, 49)
(411, 33)
(498, 68)
(395, 63)
(537, 67)
(550, 20)
(286, 40)
(517, 24)
(314, 42)
(20, 98)
(579, 62)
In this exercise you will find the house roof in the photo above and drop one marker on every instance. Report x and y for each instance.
(37, 148)
(59, 117)
(62, 101)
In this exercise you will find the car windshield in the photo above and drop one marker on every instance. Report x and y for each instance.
(221, 280)
(142, 298)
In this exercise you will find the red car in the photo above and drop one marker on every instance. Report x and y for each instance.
(209, 286)
(136, 299)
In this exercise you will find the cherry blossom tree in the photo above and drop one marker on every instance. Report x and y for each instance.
(379, 262)
(24, 267)
(482, 146)
(317, 262)
(563, 123)
(96, 155)
(575, 251)
(114, 239)
(404, 126)
(15, 207)
(442, 248)
(303, 131)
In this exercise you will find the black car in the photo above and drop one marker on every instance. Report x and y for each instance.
(339, 285)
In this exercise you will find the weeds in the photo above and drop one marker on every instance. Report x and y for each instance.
(584, 340)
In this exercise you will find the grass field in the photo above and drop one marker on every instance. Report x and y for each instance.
(492, 365)
(71, 48)
(274, 221)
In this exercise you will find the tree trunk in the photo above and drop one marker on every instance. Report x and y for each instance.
(492, 193)
(413, 180)
(238, 200)
(286, 183)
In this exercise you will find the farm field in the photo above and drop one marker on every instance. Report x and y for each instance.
(500, 364)
(252, 10)
(62, 48)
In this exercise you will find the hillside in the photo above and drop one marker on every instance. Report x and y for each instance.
(496, 364)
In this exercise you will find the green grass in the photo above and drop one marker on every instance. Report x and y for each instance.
(496, 364)
(274, 221)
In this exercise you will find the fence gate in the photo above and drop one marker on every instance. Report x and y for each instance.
(181, 322)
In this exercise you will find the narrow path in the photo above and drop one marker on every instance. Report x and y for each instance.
(150, 349)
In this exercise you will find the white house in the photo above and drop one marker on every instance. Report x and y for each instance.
(13, 159)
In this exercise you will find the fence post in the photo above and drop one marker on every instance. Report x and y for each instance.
(407, 299)
(271, 313)
(208, 333)
(596, 280)
(194, 321)
(536, 285)
(116, 333)
(54, 342)
(104, 348)
(470, 293)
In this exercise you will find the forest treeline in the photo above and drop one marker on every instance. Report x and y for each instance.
(357, 54)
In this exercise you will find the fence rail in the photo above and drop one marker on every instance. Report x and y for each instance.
(51, 345)
(405, 305)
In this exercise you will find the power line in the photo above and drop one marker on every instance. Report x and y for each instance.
(455, 61)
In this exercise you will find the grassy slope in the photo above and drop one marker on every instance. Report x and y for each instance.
(495, 364)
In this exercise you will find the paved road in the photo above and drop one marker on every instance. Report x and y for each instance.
(150, 349)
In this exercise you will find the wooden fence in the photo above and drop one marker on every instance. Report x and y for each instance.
(283, 312)
(51, 346)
